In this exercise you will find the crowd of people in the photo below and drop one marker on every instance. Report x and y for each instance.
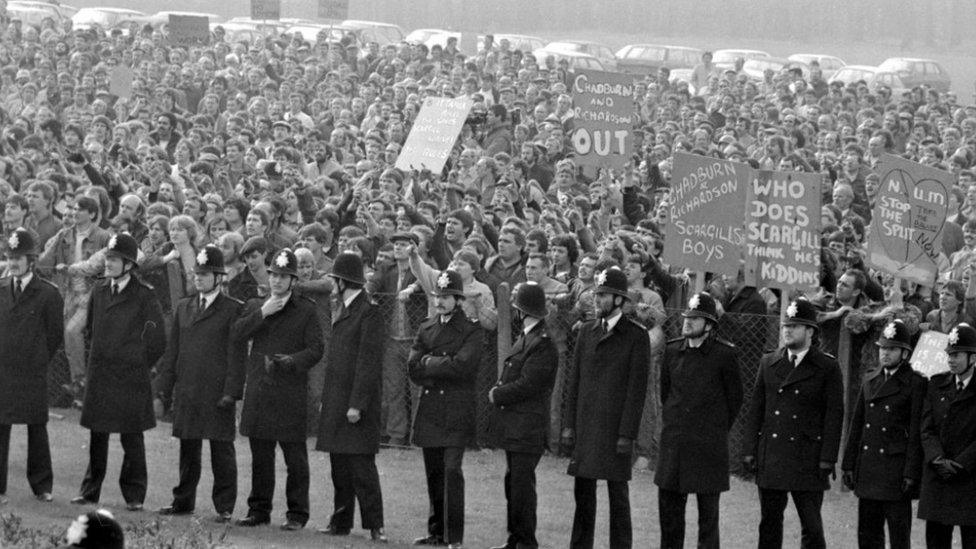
(223, 231)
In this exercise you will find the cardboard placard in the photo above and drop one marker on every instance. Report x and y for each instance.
(188, 30)
(334, 9)
(604, 107)
(705, 231)
(120, 81)
(265, 10)
(929, 357)
(908, 219)
(782, 240)
(434, 133)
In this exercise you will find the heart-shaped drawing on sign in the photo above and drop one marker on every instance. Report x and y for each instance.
(921, 207)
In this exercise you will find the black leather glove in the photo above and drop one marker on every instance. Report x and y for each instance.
(943, 468)
(284, 363)
(848, 479)
(749, 464)
(225, 402)
(567, 439)
(908, 486)
(625, 446)
(827, 471)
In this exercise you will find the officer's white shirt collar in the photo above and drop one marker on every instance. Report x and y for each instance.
(25, 280)
(612, 321)
(347, 301)
(798, 354)
(121, 282)
(529, 323)
(965, 382)
(209, 297)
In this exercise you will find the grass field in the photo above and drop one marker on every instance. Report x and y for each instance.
(404, 492)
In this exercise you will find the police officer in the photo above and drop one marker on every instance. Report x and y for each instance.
(883, 457)
(31, 330)
(793, 429)
(349, 424)
(444, 361)
(286, 342)
(518, 423)
(949, 444)
(202, 375)
(701, 392)
(607, 388)
(127, 338)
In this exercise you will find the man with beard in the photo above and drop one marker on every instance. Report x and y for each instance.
(607, 387)
(518, 421)
(701, 393)
(949, 444)
(286, 342)
(883, 456)
(202, 376)
(444, 361)
(793, 429)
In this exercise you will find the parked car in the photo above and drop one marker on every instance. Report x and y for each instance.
(756, 68)
(648, 58)
(725, 59)
(54, 11)
(372, 31)
(311, 32)
(29, 15)
(593, 49)
(421, 36)
(162, 17)
(872, 76)
(828, 63)
(520, 42)
(106, 18)
(575, 60)
(918, 72)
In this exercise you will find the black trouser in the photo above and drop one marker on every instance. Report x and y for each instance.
(223, 462)
(39, 474)
(354, 477)
(772, 503)
(939, 535)
(872, 515)
(584, 520)
(263, 479)
(133, 478)
(521, 497)
(671, 513)
(445, 490)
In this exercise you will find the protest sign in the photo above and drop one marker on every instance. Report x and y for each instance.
(120, 81)
(705, 231)
(604, 108)
(265, 10)
(433, 134)
(188, 30)
(908, 219)
(929, 357)
(334, 9)
(783, 230)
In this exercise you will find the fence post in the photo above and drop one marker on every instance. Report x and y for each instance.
(503, 305)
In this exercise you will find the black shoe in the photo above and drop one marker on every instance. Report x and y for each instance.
(506, 546)
(292, 525)
(46, 497)
(333, 530)
(82, 500)
(378, 535)
(223, 518)
(252, 520)
(174, 510)
(134, 507)
(430, 540)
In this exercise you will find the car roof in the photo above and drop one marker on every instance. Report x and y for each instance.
(860, 68)
(645, 45)
(912, 59)
(111, 10)
(360, 23)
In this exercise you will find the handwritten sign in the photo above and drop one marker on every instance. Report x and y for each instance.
(705, 231)
(334, 9)
(908, 219)
(604, 108)
(188, 30)
(782, 223)
(433, 133)
(929, 357)
(265, 10)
